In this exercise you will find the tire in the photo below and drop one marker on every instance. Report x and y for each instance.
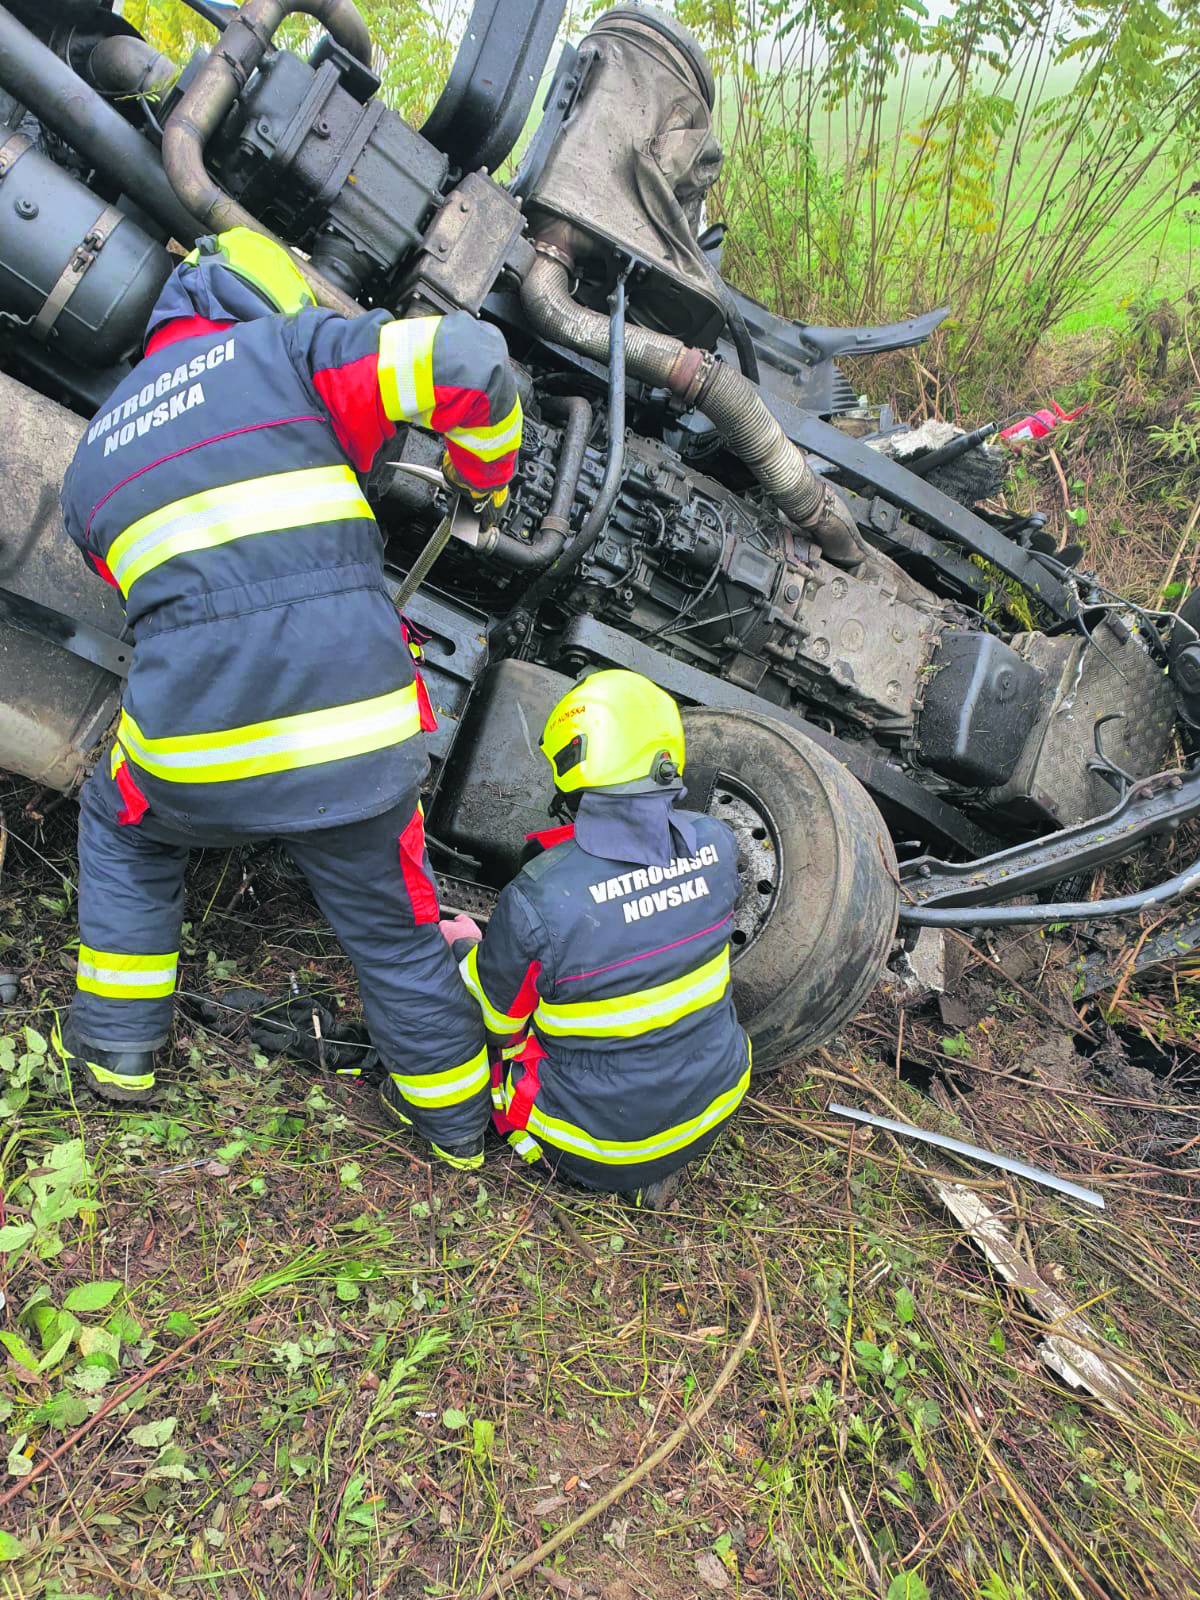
(817, 911)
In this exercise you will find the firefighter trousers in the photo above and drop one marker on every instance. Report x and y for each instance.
(373, 883)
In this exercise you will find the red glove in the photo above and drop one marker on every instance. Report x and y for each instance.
(489, 502)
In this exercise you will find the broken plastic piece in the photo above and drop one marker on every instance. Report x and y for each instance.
(973, 1152)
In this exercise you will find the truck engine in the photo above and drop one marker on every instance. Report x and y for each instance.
(701, 494)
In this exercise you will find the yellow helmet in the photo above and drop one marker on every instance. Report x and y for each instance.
(614, 730)
(264, 265)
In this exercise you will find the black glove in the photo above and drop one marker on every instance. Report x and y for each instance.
(285, 1027)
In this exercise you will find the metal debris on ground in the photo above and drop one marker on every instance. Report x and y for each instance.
(1101, 970)
(1075, 1363)
(972, 1152)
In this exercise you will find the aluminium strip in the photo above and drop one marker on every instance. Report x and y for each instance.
(973, 1152)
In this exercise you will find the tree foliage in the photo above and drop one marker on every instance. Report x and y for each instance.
(999, 156)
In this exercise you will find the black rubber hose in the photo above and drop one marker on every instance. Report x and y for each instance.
(576, 415)
(210, 13)
(734, 320)
(731, 402)
(740, 334)
(1041, 915)
(538, 552)
(58, 97)
(614, 463)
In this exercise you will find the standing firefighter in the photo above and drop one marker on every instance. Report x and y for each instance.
(272, 690)
(604, 977)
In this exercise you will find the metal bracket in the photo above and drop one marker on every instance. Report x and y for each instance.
(1157, 805)
(73, 274)
(80, 638)
(1119, 779)
(11, 151)
(462, 516)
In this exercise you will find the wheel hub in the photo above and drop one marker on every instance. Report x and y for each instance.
(758, 860)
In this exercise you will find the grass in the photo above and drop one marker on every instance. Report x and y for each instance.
(400, 1380)
(997, 226)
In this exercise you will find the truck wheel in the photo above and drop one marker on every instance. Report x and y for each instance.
(817, 909)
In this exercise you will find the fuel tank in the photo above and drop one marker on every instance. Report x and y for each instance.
(54, 707)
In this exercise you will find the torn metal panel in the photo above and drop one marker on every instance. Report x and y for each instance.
(1101, 971)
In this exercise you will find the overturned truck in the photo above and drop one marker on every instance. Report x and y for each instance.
(882, 742)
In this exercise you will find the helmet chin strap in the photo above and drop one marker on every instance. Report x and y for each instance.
(564, 806)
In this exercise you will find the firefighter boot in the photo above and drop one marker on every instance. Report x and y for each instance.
(125, 1077)
(657, 1196)
(465, 1157)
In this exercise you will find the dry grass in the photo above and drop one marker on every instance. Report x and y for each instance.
(402, 1382)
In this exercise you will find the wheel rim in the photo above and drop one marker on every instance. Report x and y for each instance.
(759, 859)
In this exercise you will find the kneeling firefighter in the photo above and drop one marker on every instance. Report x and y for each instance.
(273, 690)
(604, 977)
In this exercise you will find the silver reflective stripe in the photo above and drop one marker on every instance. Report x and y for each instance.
(565, 1018)
(219, 519)
(553, 1131)
(444, 1090)
(125, 978)
(268, 744)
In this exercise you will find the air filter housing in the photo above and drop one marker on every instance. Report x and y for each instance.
(630, 170)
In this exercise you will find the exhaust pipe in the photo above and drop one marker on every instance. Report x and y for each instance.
(121, 65)
(698, 378)
(217, 85)
(44, 83)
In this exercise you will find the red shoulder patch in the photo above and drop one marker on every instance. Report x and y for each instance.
(549, 837)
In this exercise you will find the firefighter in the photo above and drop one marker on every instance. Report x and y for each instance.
(273, 692)
(604, 977)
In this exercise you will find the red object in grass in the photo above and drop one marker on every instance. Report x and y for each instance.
(1039, 423)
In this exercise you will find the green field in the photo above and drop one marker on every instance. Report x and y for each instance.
(1132, 259)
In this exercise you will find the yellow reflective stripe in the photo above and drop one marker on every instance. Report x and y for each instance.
(493, 441)
(495, 1021)
(306, 740)
(449, 1088)
(119, 976)
(273, 504)
(461, 1163)
(126, 1080)
(528, 1149)
(406, 368)
(509, 1051)
(627, 1015)
(617, 1152)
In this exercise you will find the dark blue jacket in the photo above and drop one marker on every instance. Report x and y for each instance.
(220, 488)
(605, 985)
